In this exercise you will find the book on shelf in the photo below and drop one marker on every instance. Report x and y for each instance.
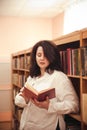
(84, 60)
(63, 58)
(15, 78)
(76, 61)
(69, 61)
(41, 95)
(27, 61)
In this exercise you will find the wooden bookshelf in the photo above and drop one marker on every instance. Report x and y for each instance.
(20, 72)
(76, 40)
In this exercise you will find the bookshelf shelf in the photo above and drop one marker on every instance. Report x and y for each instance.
(20, 71)
(85, 77)
(74, 76)
(76, 116)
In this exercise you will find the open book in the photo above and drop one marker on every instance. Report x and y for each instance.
(30, 92)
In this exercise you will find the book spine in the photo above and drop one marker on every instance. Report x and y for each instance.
(69, 61)
(84, 60)
(76, 61)
(65, 61)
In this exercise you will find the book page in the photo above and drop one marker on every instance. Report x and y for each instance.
(28, 86)
(39, 88)
(42, 87)
(45, 90)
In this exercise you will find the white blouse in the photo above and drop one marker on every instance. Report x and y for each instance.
(65, 102)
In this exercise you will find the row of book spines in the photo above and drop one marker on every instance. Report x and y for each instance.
(71, 60)
(18, 79)
(21, 62)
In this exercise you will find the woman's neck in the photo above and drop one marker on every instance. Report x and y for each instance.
(42, 72)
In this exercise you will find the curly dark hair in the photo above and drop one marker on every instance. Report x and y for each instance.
(50, 52)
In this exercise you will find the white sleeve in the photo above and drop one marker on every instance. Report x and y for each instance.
(20, 101)
(66, 98)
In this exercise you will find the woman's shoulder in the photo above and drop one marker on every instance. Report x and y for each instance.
(56, 72)
(61, 77)
(60, 74)
(29, 78)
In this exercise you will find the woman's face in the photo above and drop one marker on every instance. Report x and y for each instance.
(41, 60)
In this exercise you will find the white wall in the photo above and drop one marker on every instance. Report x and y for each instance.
(75, 17)
(58, 25)
(19, 33)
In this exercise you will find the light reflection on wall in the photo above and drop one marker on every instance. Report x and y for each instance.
(75, 17)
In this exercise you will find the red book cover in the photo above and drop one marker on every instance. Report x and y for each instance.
(69, 67)
(30, 92)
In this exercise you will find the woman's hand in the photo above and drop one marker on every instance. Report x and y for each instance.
(23, 95)
(43, 104)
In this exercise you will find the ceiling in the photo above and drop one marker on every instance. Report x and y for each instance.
(34, 8)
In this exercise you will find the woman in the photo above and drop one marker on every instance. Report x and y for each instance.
(45, 70)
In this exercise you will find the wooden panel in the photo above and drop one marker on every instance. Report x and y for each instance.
(76, 116)
(68, 38)
(84, 34)
(85, 108)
